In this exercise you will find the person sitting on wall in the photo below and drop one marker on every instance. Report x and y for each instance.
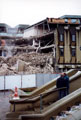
(62, 84)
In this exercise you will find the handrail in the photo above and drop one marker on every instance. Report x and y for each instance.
(56, 107)
(48, 85)
(53, 89)
(39, 96)
(36, 98)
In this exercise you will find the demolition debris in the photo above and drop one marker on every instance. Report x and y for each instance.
(27, 63)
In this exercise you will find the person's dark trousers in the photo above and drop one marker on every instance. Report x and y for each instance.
(63, 93)
(0, 52)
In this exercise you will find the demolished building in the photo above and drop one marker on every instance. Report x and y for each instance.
(54, 44)
(62, 36)
(18, 56)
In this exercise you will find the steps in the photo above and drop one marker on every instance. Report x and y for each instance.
(57, 107)
(48, 101)
(15, 115)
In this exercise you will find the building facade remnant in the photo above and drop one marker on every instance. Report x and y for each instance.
(61, 36)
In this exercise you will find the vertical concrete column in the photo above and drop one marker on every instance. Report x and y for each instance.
(33, 42)
(78, 46)
(56, 45)
(67, 55)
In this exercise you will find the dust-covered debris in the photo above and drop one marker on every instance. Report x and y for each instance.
(27, 63)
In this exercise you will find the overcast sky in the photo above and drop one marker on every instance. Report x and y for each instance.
(14, 12)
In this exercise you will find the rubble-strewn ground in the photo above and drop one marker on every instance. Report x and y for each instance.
(27, 63)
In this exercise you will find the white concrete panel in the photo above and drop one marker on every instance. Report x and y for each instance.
(53, 76)
(1, 82)
(28, 81)
(40, 79)
(33, 31)
(13, 81)
(30, 32)
(45, 78)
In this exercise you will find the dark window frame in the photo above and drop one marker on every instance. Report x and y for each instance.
(73, 52)
(73, 38)
(61, 52)
(61, 37)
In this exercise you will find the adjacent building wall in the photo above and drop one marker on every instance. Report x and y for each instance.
(67, 44)
(78, 46)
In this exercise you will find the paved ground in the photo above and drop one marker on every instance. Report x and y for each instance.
(4, 104)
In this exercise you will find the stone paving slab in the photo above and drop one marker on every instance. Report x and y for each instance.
(4, 103)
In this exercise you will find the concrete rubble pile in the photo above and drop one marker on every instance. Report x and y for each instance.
(27, 63)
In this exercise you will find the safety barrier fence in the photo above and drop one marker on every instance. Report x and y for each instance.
(20, 81)
(25, 81)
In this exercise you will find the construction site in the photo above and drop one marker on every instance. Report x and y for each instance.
(53, 43)
(19, 56)
(30, 57)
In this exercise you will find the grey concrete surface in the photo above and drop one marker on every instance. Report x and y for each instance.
(4, 103)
